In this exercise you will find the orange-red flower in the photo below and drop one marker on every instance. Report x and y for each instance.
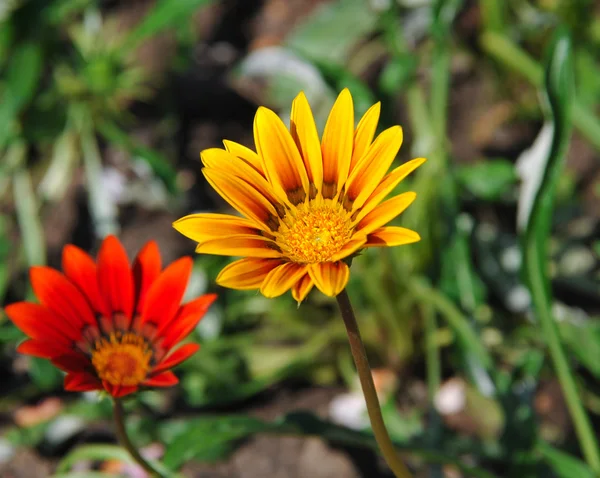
(108, 325)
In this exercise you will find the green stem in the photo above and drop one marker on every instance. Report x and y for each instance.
(492, 12)
(125, 442)
(583, 427)
(368, 387)
(440, 79)
(432, 352)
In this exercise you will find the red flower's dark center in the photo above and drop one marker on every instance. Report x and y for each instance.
(122, 359)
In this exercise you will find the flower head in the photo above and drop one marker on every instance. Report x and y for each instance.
(108, 325)
(306, 204)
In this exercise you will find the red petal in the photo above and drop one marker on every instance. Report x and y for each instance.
(146, 268)
(72, 362)
(114, 277)
(165, 379)
(164, 296)
(181, 354)
(81, 382)
(186, 319)
(61, 296)
(81, 269)
(41, 349)
(39, 322)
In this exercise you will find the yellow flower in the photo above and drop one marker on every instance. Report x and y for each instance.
(306, 204)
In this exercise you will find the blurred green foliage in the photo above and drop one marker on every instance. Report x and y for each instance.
(452, 306)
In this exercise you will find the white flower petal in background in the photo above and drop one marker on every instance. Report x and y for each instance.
(531, 165)
(349, 410)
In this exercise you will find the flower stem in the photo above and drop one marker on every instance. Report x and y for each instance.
(368, 387)
(125, 442)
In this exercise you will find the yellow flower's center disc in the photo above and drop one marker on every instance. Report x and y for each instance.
(122, 359)
(314, 233)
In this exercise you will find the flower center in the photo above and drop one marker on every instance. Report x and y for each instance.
(122, 359)
(314, 233)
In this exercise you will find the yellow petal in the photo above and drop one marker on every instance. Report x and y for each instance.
(385, 212)
(371, 169)
(304, 132)
(216, 158)
(330, 277)
(246, 154)
(247, 273)
(243, 197)
(392, 236)
(250, 246)
(349, 248)
(301, 288)
(205, 226)
(281, 279)
(337, 143)
(388, 184)
(283, 165)
(365, 131)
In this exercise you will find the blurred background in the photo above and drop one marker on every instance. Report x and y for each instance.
(104, 108)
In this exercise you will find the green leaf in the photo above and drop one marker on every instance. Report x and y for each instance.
(537, 229)
(164, 15)
(583, 340)
(27, 437)
(7, 34)
(332, 30)
(210, 439)
(45, 375)
(22, 77)
(95, 453)
(489, 179)
(563, 464)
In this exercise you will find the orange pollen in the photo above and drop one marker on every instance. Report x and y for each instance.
(122, 359)
(314, 233)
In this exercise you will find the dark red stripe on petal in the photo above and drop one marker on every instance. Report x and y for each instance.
(72, 362)
(164, 296)
(81, 270)
(146, 269)
(115, 277)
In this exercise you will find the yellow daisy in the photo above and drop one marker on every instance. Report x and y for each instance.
(306, 205)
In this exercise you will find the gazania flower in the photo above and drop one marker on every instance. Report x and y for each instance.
(306, 205)
(111, 326)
